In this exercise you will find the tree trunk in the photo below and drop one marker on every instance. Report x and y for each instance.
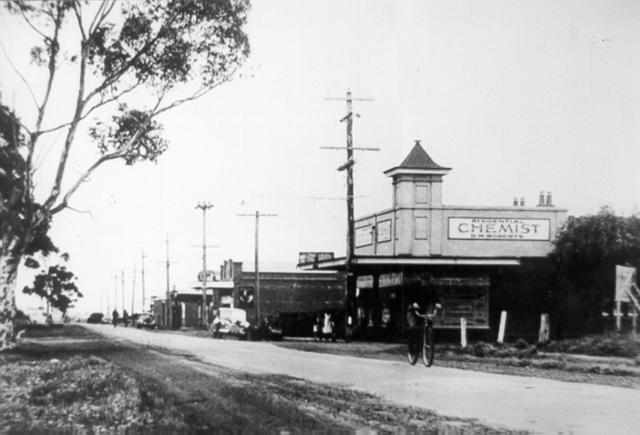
(8, 274)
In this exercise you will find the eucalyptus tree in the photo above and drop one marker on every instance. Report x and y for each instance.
(114, 55)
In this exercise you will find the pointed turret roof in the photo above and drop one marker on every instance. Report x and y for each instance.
(419, 161)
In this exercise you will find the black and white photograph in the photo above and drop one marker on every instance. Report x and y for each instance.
(320, 216)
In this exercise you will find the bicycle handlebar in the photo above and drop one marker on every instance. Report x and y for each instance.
(430, 315)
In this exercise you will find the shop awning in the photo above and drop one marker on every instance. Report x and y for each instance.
(339, 263)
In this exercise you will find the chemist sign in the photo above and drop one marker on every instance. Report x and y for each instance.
(461, 228)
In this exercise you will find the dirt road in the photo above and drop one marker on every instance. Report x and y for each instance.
(516, 402)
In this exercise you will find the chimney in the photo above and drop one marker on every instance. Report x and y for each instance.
(549, 203)
(541, 199)
(515, 202)
(521, 202)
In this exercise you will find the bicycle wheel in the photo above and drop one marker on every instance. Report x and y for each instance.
(428, 347)
(412, 351)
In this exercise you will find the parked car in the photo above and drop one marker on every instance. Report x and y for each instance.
(230, 322)
(95, 318)
(146, 320)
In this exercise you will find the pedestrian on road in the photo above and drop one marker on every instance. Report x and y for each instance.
(114, 318)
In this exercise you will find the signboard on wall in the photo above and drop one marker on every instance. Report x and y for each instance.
(314, 257)
(363, 236)
(472, 303)
(385, 280)
(383, 231)
(462, 228)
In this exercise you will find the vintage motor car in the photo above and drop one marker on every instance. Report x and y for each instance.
(146, 320)
(230, 322)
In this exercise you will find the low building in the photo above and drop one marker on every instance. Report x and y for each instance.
(291, 298)
(478, 260)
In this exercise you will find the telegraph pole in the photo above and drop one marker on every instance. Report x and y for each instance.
(257, 268)
(133, 289)
(168, 304)
(348, 167)
(204, 206)
(142, 279)
(122, 281)
(115, 291)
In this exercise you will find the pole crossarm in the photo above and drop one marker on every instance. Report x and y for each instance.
(349, 98)
(353, 148)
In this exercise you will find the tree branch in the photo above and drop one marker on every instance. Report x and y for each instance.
(103, 11)
(55, 190)
(106, 157)
(33, 95)
(78, 12)
(91, 109)
(54, 48)
(65, 199)
(24, 16)
(114, 77)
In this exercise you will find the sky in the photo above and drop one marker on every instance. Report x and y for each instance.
(516, 96)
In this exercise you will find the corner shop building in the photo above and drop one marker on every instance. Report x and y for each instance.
(479, 259)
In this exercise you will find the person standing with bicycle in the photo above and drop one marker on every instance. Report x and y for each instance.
(420, 323)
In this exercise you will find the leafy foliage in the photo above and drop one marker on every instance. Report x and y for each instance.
(56, 284)
(162, 43)
(586, 252)
(127, 125)
(17, 207)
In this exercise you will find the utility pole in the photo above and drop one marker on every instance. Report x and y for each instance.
(142, 279)
(115, 291)
(204, 206)
(348, 166)
(133, 289)
(257, 268)
(168, 304)
(122, 280)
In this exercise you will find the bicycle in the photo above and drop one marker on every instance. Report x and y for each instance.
(428, 345)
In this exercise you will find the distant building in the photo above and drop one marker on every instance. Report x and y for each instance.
(292, 299)
(477, 259)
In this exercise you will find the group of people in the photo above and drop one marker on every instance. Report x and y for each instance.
(115, 316)
(324, 328)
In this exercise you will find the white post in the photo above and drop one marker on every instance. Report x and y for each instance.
(618, 314)
(634, 315)
(463, 332)
(543, 334)
(503, 325)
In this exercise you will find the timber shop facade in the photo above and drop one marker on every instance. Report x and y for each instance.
(479, 260)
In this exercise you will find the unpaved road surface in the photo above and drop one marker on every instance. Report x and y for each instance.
(538, 405)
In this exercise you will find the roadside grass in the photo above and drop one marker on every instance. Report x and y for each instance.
(47, 392)
(612, 344)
